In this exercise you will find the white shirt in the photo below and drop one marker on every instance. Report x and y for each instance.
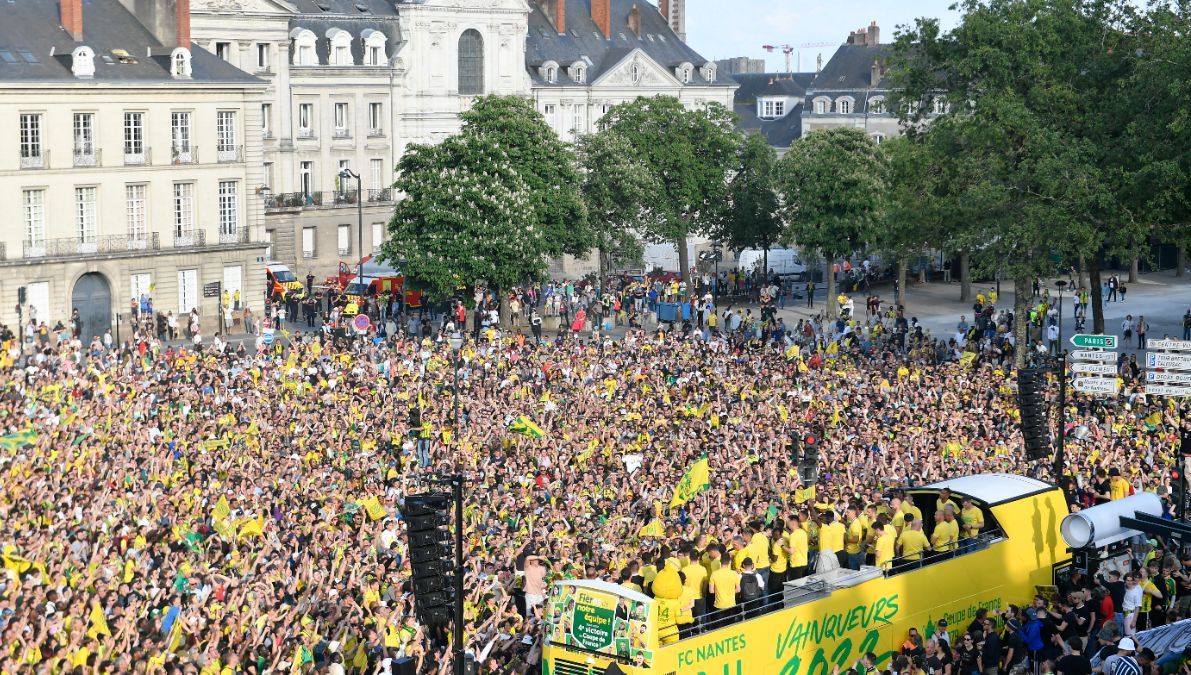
(1132, 599)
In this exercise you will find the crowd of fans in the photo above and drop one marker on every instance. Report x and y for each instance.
(215, 510)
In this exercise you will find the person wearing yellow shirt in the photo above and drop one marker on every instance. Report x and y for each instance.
(711, 559)
(971, 519)
(912, 541)
(723, 584)
(695, 579)
(945, 499)
(907, 507)
(740, 551)
(797, 547)
(952, 528)
(759, 549)
(883, 540)
(1119, 488)
(854, 539)
(831, 537)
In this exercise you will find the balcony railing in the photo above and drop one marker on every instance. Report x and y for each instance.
(41, 161)
(74, 246)
(341, 133)
(236, 236)
(190, 238)
(327, 199)
(87, 156)
(184, 155)
(376, 133)
(306, 133)
(136, 156)
(230, 153)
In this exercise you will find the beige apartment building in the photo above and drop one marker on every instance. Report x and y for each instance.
(126, 164)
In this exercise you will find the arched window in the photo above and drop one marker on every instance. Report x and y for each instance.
(876, 105)
(180, 63)
(683, 72)
(82, 62)
(549, 72)
(304, 54)
(471, 63)
(709, 71)
(843, 106)
(374, 47)
(340, 47)
(821, 106)
(578, 72)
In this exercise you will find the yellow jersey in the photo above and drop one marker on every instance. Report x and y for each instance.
(798, 547)
(884, 548)
(1119, 488)
(696, 578)
(759, 548)
(973, 521)
(724, 581)
(912, 543)
(739, 555)
(855, 531)
(778, 560)
(831, 537)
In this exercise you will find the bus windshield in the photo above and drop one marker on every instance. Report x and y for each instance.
(284, 276)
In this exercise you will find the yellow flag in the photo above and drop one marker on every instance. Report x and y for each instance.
(696, 480)
(99, 624)
(252, 527)
(222, 509)
(805, 495)
(783, 413)
(373, 506)
(793, 351)
(652, 529)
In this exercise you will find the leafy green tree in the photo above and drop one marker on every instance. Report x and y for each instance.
(754, 217)
(617, 187)
(910, 221)
(833, 183)
(548, 166)
(467, 216)
(690, 153)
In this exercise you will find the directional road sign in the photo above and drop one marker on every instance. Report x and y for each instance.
(1094, 368)
(1168, 378)
(1171, 361)
(1084, 355)
(1083, 341)
(1167, 390)
(1096, 385)
(1171, 345)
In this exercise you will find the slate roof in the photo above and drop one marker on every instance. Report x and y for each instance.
(584, 41)
(350, 7)
(780, 132)
(30, 28)
(355, 26)
(850, 69)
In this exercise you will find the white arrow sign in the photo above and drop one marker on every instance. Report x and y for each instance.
(1094, 368)
(1172, 361)
(1087, 355)
(1167, 390)
(1173, 345)
(1169, 378)
(1096, 385)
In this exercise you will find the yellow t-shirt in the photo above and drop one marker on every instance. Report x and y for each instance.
(1119, 488)
(831, 537)
(855, 530)
(1147, 600)
(725, 581)
(912, 543)
(884, 548)
(778, 560)
(710, 564)
(973, 520)
(798, 548)
(738, 557)
(944, 535)
(940, 505)
(759, 550)
(696, 578)
(908, 507)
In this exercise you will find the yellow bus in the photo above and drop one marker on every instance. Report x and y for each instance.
(832, 619)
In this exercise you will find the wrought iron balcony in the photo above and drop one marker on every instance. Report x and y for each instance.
(187, 154)
(87, 155)
(69, 247)
(306, 134)
(229, 153)
(236, 236)
(326, 199)
(190, 238)
(40, 161)
(134, 156)
(341, 133)
(385, 195)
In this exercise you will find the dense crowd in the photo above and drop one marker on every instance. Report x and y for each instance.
(217, 510)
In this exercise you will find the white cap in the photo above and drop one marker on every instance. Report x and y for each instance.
(1127, 644)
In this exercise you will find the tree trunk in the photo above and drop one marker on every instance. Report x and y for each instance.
(965, 276)
(899, 297)
(602, 258)
(683, 259)
(1083, 267)
(829, 273)
(1022, 293)
(1180, 261)
(1133, 270)
(765, 262)
(1096, 298)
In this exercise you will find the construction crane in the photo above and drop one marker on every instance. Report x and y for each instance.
(790, 49)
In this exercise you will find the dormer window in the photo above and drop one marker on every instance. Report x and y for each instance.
(578, 72)
(180, 63)
(843, 105)
(549, 72)
(374, 47)
(771, 108)
(683, 72)
(876, 106)
(821, 105)
(82, 62)
(940, 106)
(304, 41)
(708, 70)
(340, 43)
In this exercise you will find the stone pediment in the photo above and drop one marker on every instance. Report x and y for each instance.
(636, 69)
(243, 6)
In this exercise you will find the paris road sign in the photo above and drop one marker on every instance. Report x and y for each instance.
(1096, 385)
(1169, 345)
(1168, 378)
(1094, 368)
(1167, 390)
(1172, 361)
(1084, 355)
(1083, 340)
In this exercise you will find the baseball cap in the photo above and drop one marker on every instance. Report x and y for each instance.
(1127, 644)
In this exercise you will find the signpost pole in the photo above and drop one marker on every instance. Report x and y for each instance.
(457, 484)
(1060, 457)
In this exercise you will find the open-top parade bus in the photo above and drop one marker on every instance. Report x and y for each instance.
(835, 618)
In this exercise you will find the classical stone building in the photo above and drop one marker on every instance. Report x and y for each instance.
(127, 164)
(851, 90)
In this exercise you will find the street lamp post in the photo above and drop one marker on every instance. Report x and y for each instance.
(456, 342)
(1060, 456)
(344, 174)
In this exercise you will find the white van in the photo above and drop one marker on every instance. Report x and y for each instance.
(783, 261)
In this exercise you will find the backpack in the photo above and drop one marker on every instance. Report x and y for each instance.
(750, 587)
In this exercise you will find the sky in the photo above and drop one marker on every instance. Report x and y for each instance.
(720, 29)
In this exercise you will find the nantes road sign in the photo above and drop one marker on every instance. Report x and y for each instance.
(1167, 390)
(1170, 361)
(1083, 355)
(1096, 385)
(1084, 341)
(1094, 368)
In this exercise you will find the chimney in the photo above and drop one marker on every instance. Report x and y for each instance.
(664, 9)
(71, 16)
(182, 21)
(873, 37)
(635, 20)
(875, 74)
(601, 14)
(556, 12)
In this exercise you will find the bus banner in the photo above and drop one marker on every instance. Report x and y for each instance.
(608, 620)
